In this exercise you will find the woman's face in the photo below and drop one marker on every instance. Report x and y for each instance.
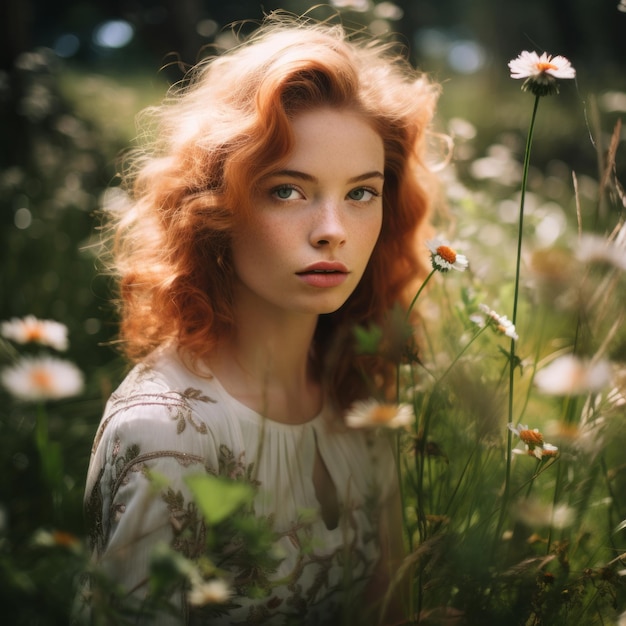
(315, 219)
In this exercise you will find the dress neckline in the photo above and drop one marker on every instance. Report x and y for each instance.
(257, 417)
(244, 410)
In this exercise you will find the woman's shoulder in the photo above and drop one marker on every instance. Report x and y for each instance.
(161, 400)
(164, 418)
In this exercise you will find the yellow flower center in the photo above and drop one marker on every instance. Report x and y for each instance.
(447, 254)
(41, 379)
(544, 66)
(383, 413)
(531, 437)
(34, 333)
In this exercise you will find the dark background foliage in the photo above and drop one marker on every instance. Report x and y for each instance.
(587, 31)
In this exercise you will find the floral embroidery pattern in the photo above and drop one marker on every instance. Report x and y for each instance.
(234, 467)
(188, 531)
(178, 404)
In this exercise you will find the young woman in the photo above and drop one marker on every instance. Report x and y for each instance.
(280, 205)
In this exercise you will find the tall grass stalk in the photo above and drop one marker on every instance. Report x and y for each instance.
(512, 356)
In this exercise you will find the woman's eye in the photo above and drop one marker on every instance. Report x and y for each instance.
(286, 192)
(362, 194)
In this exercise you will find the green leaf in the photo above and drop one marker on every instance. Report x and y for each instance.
(217, 498)
(158, 481)
(368, 339)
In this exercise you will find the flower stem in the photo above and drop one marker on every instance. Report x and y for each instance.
(460, 354)
(398, 450)
(417, 295)
(529, 140)
(41, 431)
(512, 357)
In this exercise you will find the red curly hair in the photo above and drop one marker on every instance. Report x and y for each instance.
(216, 137)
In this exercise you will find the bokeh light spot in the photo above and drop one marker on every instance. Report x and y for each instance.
(113, 34)
(466, 57)
(22, 218)
(92, 326)
(66, 45)
(206, 28)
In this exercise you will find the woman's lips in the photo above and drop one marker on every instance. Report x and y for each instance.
(324, 274)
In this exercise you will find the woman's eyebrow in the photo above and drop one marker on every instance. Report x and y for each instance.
(313, 179)
(367, 176)
(293, 174)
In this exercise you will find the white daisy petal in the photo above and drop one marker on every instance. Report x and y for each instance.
(445, 258)
(549, 449)
(373, 414)
(569, 375)
(541, 72)
(35, 379)
(32, 330)
(214, 591)
(563, 69)
(500, 323)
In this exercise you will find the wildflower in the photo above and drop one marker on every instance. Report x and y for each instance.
(569, 375)
(541, 72)
(56, 538)
(549, 450)
(372, 414)
(444, 258)
(533, 441)
(529, 437)
(214, 591)
(499, 322)
(32, 330)
(42, 378)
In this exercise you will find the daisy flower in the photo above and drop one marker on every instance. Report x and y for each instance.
(214, 591)
(531, 437)
(34, 379)
(373, 414)
(541, 72)
(569, 375)
(445, 258)
(549, 450)
(533, 441)
(57, 538)
(499, 322)
(32, 330)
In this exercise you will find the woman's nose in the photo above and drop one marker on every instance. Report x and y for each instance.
(328, 228)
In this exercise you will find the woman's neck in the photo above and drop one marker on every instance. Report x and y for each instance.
(267, 366)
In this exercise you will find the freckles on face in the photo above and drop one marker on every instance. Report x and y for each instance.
(316, 217)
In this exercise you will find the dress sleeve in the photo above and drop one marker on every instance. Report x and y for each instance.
(137, 498)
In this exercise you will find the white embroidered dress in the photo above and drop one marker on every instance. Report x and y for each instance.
(166, 421)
